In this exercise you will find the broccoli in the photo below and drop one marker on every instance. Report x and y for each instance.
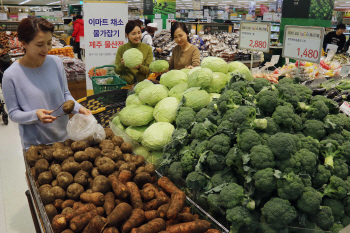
(311, 144)
(261, 157)
(226, 127)
(333, 124)
(194, 144)
(297, 141)
(213, 106)
(216, 162)
(213, 202)
(346, 203)
(264, 138)
(282, 145)
(288, 165)
(288, 93)
(251, 91)
(231, 196)
(265, 180)
(321, 176)
(267, 101)
(278, 212)
(248, 139)
(309, 201)
(285, 117)
(203, 114)
(243, 116)
(346, 150)
(175, 172)
(234, 158)
(260, 124)
(323, 218)
(260, 83)
(315, 129)
(187, 161)
(220, 177)
(219, 144)
(336, 188)
(346, 134)
(201, 149)
(318, 110)
(304, 92)
(290, 186)
(346, 122)
(307, 161)
(203, 130)
(185, 119)
(331, 104)
(272, 127)
(196, 181)
(330, 149)
(239, 216)
(306, 179)
(345, 220)
(241, 87)
(230, 99)
(336, 206)
(186, 109)
(285, 81)
(340, 169)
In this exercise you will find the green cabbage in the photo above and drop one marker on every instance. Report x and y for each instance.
(193, 70)
(132, 58)
(218, 82)
(197, 99)
(159, 66)
(165, 110)
(200, 78)
(178, 90)
(136, 115)
(141, 85)
(140, 150)
(151, 95)
(157, 135)
(186, 70)
(237, 66)
(133, 100)
(172, 78)
(155, 158)
(136, 132)
(116, 122)
(214, 96)
(216, 64)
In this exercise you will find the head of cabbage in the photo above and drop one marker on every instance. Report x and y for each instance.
(186, 70)
(141, 85)
(136, 132)
(193, 70)
(151, 95)
(116, 121)
(172, 78)
(159, 66)
(136, 115)
(244, 71)
(165, 110)
(196, 99)
(216, 64)
(133, 100)
(218, 82)
(178, 90)
(200, 78)
(157, 135)
(132, 58)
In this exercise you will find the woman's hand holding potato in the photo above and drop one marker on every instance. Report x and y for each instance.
(43, 116)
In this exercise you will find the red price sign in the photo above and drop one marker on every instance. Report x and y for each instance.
(308, 53)
(257, 44)
(255, 36)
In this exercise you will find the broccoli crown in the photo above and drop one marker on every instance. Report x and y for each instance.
(318, 110)
(330, 149)
(203, 130)
(230, 99)
(288, 93)
(290, 187)
(260, 83)
(219, 144)
(265, 180)
(243, 116)
(346, 150)
(272, 127)
(345, 220)
(337, 137)
(186, 109)
(201, 149)
(216, 162)
(285, 117)
(203, 114)
(307, 161)
(234, 158)
(261, 157)
(241, 87)
(285, 81)
(304, 92)
(264, 138)
(311, 144)
(260, 124)
(346, 203)
(196, 181)
(323, 218)
(248, 139)
(333, 123)
(225, 126)
(175, 172)
(194, 144)
(306, 179)
(321, 176)
(214, 202)
(221, 177)
(315, 129)
(187, 162)
(309, 201)
(336, 188)
(267, 101)
(185, 119)
(336, 228)
(251, 91)
(340, 169)
(279, 212)
(282, 145)
(239, 216)
(231, 195)
(213, 106)
(331, 104)
(336, 206)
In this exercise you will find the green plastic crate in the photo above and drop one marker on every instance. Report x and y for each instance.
(98, 88)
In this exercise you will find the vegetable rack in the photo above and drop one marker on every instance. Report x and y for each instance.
(99, 88)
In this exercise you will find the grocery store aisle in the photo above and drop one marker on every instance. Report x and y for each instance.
(15, 216)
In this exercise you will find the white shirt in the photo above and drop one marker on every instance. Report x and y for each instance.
(147, 39)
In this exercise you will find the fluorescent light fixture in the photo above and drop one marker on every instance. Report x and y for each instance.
(53, 3)
(24, 2)
(209, 4)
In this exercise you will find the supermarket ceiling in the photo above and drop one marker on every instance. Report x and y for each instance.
(181, 4)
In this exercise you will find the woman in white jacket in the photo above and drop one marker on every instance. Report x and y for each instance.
(147, 36)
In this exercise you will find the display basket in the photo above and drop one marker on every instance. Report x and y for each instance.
(99, 88)
(105, 104)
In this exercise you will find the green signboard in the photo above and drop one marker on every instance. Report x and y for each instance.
(75, 9)
(213, 29)
(8, 26)
(164, 7)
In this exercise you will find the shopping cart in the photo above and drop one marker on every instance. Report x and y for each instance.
(118, 83)
(3, 112)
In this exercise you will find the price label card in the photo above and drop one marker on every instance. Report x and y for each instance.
(345, 107)
(303, 43)
(275, 59)
(170, 16)
(255, 36)
(158, 16)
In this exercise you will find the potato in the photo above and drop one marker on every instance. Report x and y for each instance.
(113, 155)
(91, 153)
(67, 210)
(138, 160)
(68, 106)
(105, 165)
(57, 145)
(109, 133)
(64, 179)
(48, 153)
(74, 190)
(55, 169)
(109, 145)
(86, 166)
(32, 155)
(58, 204)
(127, 166)
(104, 142)
(59, 192)
(89, 191)
(79, 146)
(149, 168)
(68, 142)
(95, 172)
(54, 183)
(69, 150)
(60, 154)
(68, 160)
(142, 178)
(119, 164)
(45, 178)
(71, 167)
(101, 184)
(140, 169)
(41, 147)
(47, 196)
(81, 156)
(98, 152)
(126, 148)
(117, 141)
(45, 186)
(90, 181)
(51, 211)
(127, 158)
(81, 178)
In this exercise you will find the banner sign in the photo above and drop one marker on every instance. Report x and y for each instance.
(255, 36)
(104, 24)
(164, 7)
(147, 7)
(252, 8)
(196, 5)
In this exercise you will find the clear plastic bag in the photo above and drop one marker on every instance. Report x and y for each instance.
(85, 128)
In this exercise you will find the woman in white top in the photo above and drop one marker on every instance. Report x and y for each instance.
(147, 36)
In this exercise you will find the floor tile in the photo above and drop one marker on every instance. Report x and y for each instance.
(13, 186)
(17, 214)
(21, 229)
(12, 167)
(2, 218)
(10, 143)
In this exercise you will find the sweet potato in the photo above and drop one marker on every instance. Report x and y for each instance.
(55, 169)
(189, 227)
(117, 141)
(186, 209)
(136, 219)
(95, 225)
(79, 146)
(135, 196)
(213, 231)
(45, 178)
(155, 203)
(67, 210)
(51, 211)
(154, 226)
(95, 198)
(142, 178)
(41, 165)
(126, 148)
(178, 200)
(163, 210)
(167, 185)
(68, 142)
(120, 213)
(67, 203)
(162, 194)
(111, 230)
(154, 179)
(86, 166)
(118, 201)
(101, 184)
(59, 192)
(81, 178)
(59, 223)
(91, 153)
(150, 215)
(77, 205)
(186, 217)
(109, 204)
(60, 154)
(58, 204)
(64, 179)
(148, 193)
(78, 223)
(138, 160)
(71, 167)
(74, 190)
(119, 189)
(105, 165)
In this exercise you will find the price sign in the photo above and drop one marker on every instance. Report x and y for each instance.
(255, 36)
(345, 107)
(303, 43)
(158, 16)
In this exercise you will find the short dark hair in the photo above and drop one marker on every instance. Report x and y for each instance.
(131, 26)
(2, 46)
(181, 25)
(147, 21)
(28, 28)
(151, 30)
(79, 17)
(341, 26)
(139, 22)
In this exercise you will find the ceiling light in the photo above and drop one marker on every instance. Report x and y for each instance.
(24, 2)
(53, 3)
